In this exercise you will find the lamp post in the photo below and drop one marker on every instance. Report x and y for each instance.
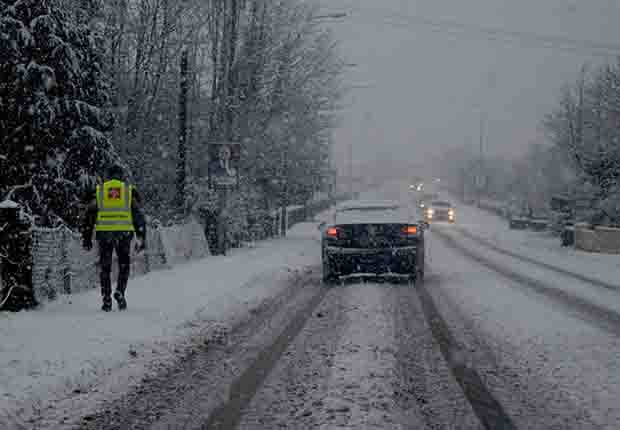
(182, 148)
(479, 183)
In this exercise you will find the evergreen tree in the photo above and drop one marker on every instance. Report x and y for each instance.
(53, 117)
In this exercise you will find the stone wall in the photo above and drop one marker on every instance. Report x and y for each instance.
(599, 239)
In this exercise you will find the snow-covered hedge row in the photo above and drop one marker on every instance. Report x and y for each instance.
(61, 266)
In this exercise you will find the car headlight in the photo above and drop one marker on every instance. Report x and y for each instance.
(451, 213)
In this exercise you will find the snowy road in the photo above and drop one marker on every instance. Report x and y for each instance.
(492, 339)
(484, 342)
(352, 356)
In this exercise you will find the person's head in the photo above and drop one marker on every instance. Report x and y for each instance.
(115, 171)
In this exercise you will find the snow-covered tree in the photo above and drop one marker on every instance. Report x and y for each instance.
(585, 127)
(53, 116)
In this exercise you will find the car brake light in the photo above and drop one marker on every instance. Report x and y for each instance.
(410, 229)
(332, 232)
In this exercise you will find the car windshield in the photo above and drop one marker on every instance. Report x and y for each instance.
(442, 204)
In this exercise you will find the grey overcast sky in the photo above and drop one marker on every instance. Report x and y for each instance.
(421, 88)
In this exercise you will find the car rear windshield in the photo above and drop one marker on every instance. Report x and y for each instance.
(369, 209)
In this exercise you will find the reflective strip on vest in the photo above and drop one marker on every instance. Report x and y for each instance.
(113, 216)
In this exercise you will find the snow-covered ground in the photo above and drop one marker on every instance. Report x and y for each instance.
(562, 354)
(539, 245)
(558, 357)
(364, 366)
(66, 357)
(65, 360)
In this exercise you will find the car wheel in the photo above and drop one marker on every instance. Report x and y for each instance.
(328, 276)
(420, 275)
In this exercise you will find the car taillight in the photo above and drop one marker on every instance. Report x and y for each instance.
(332, 232)
(410, 230)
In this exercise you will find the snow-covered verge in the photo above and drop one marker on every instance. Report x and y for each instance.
(562, 362)
(51, 358)
(539, 245)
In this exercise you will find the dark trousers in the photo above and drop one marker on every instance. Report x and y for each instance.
(110, 241)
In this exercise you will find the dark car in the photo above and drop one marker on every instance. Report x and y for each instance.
(440, 210)
(373, 239)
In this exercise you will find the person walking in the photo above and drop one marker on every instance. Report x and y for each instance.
(114, 213)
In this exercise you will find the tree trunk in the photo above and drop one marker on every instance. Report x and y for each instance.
(181, 167)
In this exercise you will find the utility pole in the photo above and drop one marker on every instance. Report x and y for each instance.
(480, 163)
(229, 43)
(284, 190)
(182, 150)
(351, 170)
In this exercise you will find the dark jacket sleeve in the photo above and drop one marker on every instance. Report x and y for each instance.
(137, 213)
(89, 218)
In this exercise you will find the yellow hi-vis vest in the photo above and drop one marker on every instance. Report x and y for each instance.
(114, 206)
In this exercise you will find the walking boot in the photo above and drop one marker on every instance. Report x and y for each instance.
(107, 304)
(120, 299)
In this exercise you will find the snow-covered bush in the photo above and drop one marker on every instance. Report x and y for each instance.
(584, 126)
(247, 217)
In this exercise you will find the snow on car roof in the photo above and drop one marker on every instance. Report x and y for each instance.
(360, 205)
(372, 212)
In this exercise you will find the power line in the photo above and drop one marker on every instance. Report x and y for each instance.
(496, 34)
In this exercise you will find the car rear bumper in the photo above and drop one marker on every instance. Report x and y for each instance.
(398, 262)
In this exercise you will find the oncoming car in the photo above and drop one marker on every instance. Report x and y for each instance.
(373, 239)
(440, 210)
(425, 199)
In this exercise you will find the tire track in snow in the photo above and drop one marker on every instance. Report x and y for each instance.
(426, 381)
(229, 414)
(581, 308)
(183, 395)
(343, 371)
(364, 374)
(488, 410)
(561, 271)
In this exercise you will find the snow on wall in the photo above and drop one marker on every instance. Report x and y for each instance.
(183, 242)
(600, 239)
(50, 262)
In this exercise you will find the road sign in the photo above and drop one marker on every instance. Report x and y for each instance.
(224, 165)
